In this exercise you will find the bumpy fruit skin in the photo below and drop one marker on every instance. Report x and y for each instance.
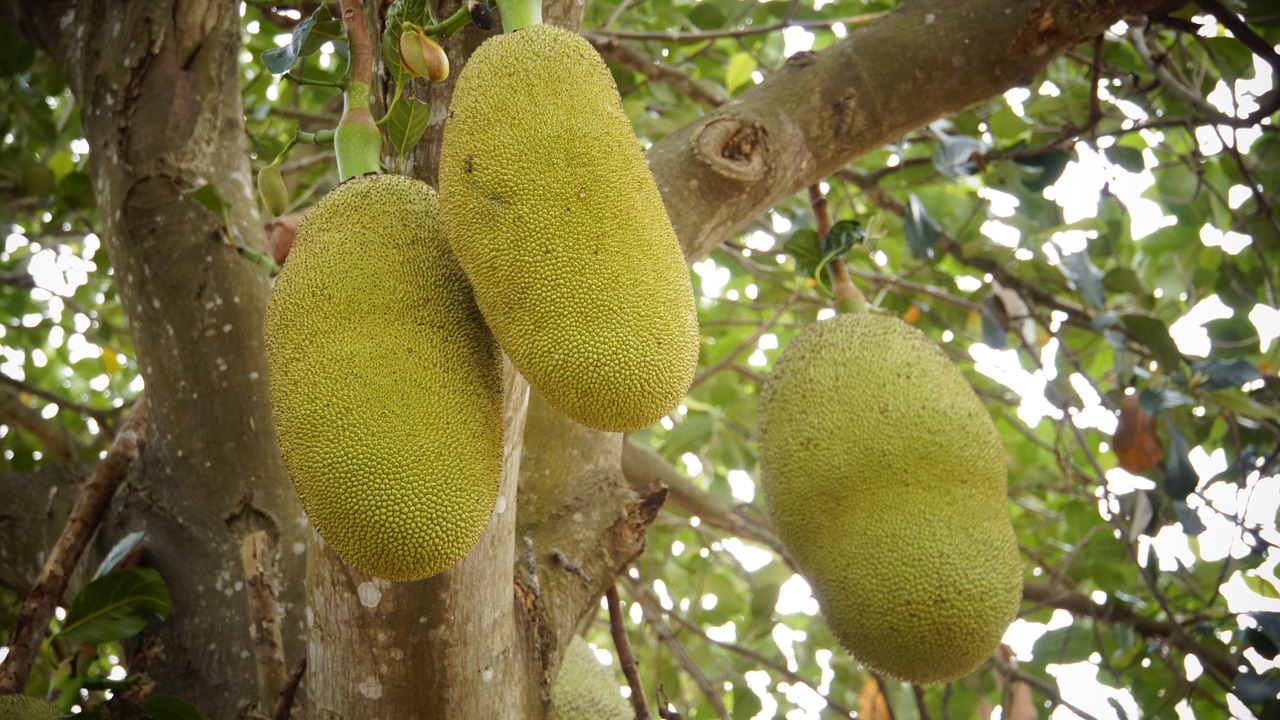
(886, 480)
(386, 387)
(554, 216)
(25, 707)
(585, 689)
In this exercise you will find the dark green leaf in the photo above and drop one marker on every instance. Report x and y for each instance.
(16, 53)
(841, 238)
(1156, 400)
(1123, 280)
(1265, 638)
(1180, 478)
(1154, 334)
(1190, 519)
(954, 155)
(117, 605)
(1126, 157)
(280, 60)
(1225, 373)
(170, 707)
(745, 702)
(326, 29)
(1255, 688)
(1050, 164)
(119, 551)
(1085, 277)
(407, 123)
(920, 229)
(994, 333)
(803, 247)
(1069, 644)
(706, 16)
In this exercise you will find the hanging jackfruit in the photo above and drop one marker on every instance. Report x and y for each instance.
(585, 689)
(385, 384)
(886, 480)
(553, 214)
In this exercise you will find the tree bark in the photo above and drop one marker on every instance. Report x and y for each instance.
(923, 61)
(159, 94)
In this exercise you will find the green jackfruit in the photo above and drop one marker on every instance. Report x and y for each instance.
(25, 707)
(886, 480)
(553, 214)
(585, 689)
(386, 386)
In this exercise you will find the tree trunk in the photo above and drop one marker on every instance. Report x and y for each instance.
(159, 94)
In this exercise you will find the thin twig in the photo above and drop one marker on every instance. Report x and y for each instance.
(290, 689)
(629, 57)
(921, 708)
(729, 359)
(91, 504)
(103, 416)
(1242, 32)
(618, 629)
(674, 36)
(1045, 688)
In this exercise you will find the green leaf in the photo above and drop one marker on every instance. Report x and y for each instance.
(1180, 479)
(1156, 400)
(741, 65)
(1256, 688)
(280, 60)
(1266, 637)
(1154, 334)
(745, 702)
(1123, 280)
(1065, 645)
(1085, 277)
(1190, 519)
(407, 123)
(920, 229)
(117, 605)
(803, 247)
(119, 551)
(170, 707)
(1050, 166)
(706, 16)
(1126, 157)
(953, 156)
(1220, 374)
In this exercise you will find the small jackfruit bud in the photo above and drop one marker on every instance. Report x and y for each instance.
(272, 190)
(421, 56)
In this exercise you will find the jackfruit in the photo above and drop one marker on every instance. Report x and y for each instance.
(553, 214)
(886, 480)
(25, 707)
(585, 689)
(386, 387)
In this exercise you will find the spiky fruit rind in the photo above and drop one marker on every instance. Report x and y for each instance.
(585, 689)
(386, 386)
(25, 707)
(551, 210)
(886, 480)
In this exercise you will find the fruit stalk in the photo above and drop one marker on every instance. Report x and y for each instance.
(519, 13)
(357, 143)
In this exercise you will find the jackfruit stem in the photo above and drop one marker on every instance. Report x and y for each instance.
(849, 299)
(357, 142)
(519, 13)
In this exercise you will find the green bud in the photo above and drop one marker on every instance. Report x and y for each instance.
(272, 190)
(422, 56)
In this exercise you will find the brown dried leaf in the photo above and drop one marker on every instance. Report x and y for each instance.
(1136, 445)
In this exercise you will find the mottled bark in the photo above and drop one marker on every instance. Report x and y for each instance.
(160, 105)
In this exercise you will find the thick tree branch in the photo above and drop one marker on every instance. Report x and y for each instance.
(55, 440)
(1111, 612)
(91, 505)
(821, 110)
